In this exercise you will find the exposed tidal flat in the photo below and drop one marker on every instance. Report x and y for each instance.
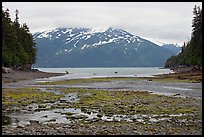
(104, 106)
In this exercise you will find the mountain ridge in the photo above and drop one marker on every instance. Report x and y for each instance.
(96, 47)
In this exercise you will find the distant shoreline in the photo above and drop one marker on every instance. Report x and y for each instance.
(16, 76)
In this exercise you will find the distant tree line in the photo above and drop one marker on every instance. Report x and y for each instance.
(191, 53)
(18, 46)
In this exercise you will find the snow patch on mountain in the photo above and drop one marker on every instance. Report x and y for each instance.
(96, 30)
(67, 30)
(45, 34)
(87, 37)
(83, 47)
(70, 50)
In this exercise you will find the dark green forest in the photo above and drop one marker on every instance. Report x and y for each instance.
(18, 46)
(191, 54)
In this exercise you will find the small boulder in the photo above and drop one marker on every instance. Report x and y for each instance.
(7, 70)
(67, 72)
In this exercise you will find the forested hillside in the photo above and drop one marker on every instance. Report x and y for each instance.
(191, 53)
(18, 47)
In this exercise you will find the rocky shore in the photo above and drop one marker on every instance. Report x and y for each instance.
(14, 76)
(155, 115)
(113, 128)
(161, 115)
(184, 69)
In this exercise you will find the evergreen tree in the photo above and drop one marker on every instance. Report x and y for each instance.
(18, 47)
(192, 51)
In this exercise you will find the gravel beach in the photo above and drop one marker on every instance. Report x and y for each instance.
(26, 75)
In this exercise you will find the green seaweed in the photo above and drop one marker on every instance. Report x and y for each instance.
(131, 102)
(19, 97)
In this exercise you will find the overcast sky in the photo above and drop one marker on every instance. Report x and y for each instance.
(169, 22)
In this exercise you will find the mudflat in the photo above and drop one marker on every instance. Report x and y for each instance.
(26, 75)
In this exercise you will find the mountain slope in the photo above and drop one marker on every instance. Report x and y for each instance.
(172, 47)
(97, 47)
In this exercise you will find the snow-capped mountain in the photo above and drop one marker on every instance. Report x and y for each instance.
(96, 47)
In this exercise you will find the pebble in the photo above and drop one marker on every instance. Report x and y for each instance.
(93, 129)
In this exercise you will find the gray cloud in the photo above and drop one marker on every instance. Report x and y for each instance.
(165, 21)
